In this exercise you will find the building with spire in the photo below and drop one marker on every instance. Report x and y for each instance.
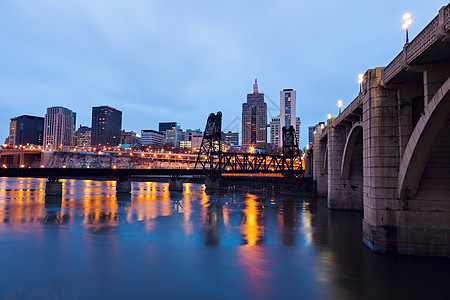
(254, 119)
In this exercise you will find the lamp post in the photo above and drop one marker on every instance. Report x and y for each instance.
(339, 105)
(407, 21)
(360, 81)
(328, 116)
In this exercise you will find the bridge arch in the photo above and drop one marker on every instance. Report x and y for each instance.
(353, 138)
(427, 134)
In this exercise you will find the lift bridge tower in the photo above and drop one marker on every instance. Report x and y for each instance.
(210, 155)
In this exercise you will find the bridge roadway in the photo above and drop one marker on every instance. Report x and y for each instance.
(388, 152)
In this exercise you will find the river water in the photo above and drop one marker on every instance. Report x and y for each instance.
(157, 244)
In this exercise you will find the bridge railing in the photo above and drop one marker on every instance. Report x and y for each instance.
(418, 45)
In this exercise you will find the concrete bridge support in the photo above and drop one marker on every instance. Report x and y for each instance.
(175, 184)
(381, 160)
(336, 190)
(123, 186)
(53, 188)
(320, 164)
(345, 184)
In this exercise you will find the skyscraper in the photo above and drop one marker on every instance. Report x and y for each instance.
(254, 119)
(288, 104)
(59, 126)
(106, 126)
(26, 130)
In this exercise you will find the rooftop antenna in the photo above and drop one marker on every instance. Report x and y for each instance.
(255, 86)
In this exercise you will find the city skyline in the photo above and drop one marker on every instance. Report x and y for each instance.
(80, 55)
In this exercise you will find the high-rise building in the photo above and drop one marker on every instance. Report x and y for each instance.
(288, 109)
(288, 104)
(254, 118)
(26, 130)
(106, 126)
(275, 132)
(59, 127)
(232, 138)
(152, 138)
(311, 134)
(83, 136)
(163, 126)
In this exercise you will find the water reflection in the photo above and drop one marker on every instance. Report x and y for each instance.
(219, 244)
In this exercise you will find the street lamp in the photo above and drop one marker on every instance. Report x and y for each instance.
(360, 81)
(408, 21)
(328, 116)
(340, 105)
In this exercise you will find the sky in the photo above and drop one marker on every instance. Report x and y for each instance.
(181, 60)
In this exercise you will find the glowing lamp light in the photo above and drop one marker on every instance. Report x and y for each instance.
(339, 104)
(360, 78)
(328, 116)
(407, 19)
(114, 167)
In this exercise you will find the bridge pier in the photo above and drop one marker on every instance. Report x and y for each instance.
(123, 186)
(214, 183)
(175, 184)
(344, 192)
(53, 188)
(320, 164)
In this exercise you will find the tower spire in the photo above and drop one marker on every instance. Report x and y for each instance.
(255, 86)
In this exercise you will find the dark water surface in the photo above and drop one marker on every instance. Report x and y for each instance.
(157, 244)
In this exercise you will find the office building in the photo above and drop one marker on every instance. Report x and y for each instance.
(152, 138)
(254, 119)
(196, 140)
(174, 137)
(106, 126)
(231, 138)
(275, 131)
(25, 130)
(288, 103)
(83, 136)
(59, 127)
(311, 134)
(163, 126)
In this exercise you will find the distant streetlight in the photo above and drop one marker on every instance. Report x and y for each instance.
(340, 105)
(408, 21)
(360, 81)
(328, 116)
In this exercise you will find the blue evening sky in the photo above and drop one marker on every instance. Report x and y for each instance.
(181, 60)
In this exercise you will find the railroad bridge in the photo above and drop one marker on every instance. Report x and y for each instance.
(388, 152)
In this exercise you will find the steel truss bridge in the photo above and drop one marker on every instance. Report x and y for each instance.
(210, 161)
